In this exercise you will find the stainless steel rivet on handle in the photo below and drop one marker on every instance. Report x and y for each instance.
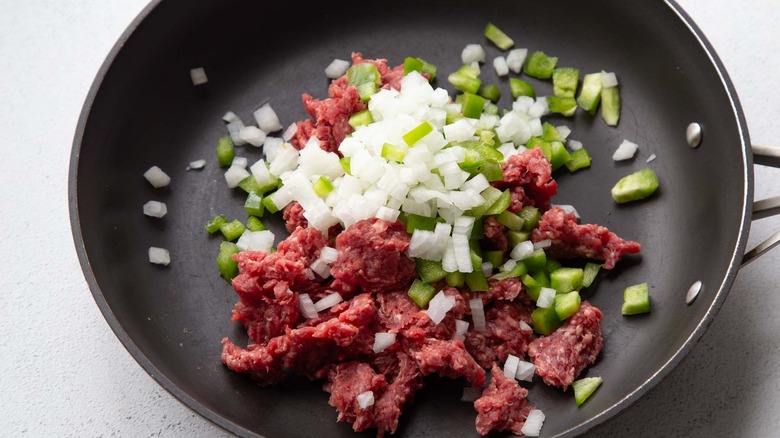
(693, 135)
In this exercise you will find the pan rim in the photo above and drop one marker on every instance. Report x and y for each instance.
(210, 415)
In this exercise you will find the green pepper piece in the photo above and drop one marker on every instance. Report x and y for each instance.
(541, 144)
(491, 195)
(430, 270)
(544, 320)
(531, 216)
(476, 280)
(589, 273)
(345, 165)
(518, 270)
(565, 81)
(393, 153)
(495, 258)
(490, 92)
(412, 63)
(464, 82)
(361, 118)
(478, 230)
(567, 304)
(580, 159)
(510, 220)
(498, 37)
(536, 261)
(516, 237)
(590, 93)
(492, 170)
(551, 133)
(472, 105)
(254, 204)
(558, 155)
(636, 299)
(365, 76)
(322, 186)
(417, 222)
(232, 230)
(635, 186)
(519, 87)
(532, 287)
(541, 277)
(250, 185)
(455, 279)
(566, 106)
(228, 268)
(566, 279)
(269, 205)
(225, 151)
(501, 204)
(421, 293)
(254, 223)
(551, 265)
(610, 105)
(583, 388)
(539, 65)
(417, 133)
(215, 223)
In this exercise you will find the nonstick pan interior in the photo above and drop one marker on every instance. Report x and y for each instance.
(143, 111)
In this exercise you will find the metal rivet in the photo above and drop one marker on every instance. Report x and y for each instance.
(693, 292)
(693, 135)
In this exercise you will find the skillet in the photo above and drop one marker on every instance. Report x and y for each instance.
(143, 110)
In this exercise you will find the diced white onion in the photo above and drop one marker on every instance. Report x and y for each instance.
(307, 306)
(198, 76)
(230, 116)
(463, 225)
(252, 135)
(365, 399)
(159, 256)
(509, 265)
(336, 68)
(574, 144)
(650, 158)
(525, 327)
(234, 175)
(289, 133)
(546, 297)
(461, 327)
(382, 340)
(439, 305)
(542, 244)
(487, 269)
(157, 177)
(516, 58)
(387, 214)
(321, 268)
(327, 302)
(522, 251)
(625, 151)
(478, 315)
(510, 366)
(525, 371)
(196, 164)
(266, 118)
(472, 53)
(234, 129)
(328, 254)
(500, 65)
(240, 161)
(462, 252)
(608, 79)
(564, 131)
(155, 209)
(533, 423)
(256, 241)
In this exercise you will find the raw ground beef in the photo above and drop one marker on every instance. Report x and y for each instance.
(502, 406)
(530, 171)
(562, 355)
(570, 239)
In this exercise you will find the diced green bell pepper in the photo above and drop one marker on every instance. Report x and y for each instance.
(544, 320)
(254, 204)
(417, 222)
(539, 65)
(589, 273)
(501, 204)
(565, 81)
(232, 230)
(636, 299)
(635, 186)
(566, 106)
(430, 271)
(558, 155)
(516, 237)
(417, 133)
(322, 186)
(254, 223)
(531, 215)
(510, 220)
(566, 279)
(532, 287)
(590, 93)
(580, 159)
(498, 37)
(455, 279)
(536, 261)
(490, 92)
(412, 63)
(567, 304)
(610, 105)
(421, 293)
(472, 105)
(365, 76)
(225, 151)
(361, 118)
(213, 225)
(228, 268)
(519, 87)
(584, 388)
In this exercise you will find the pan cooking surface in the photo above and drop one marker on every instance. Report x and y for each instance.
(144, 111)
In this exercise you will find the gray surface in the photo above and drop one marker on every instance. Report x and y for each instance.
(64, 373)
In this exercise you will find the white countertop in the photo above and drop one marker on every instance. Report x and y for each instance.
(64, 373)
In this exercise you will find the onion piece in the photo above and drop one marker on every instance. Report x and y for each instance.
(336, 68)
(650, 158)
(525, 371)
(328, 254)
(487, 269)
(522, 251)
(546, 297)
(365, 399)
(478, 315)
(625, 151)
(542, 244)
(234, 175)
(328, 301)
(157, 177)
(382, 340)
(525, 327)
(252, 135)
(574, 145)
(510, 366)
(608, 79)
(472, 53)
(307, 306)
(198, 76)
(533, 423)
(516, 58)
(439, 305)
(266, 118)
(159, 256)
(155, 209)
(461, 327)
(196, 164)
(321, 268)
(501, 66)
(256, 241)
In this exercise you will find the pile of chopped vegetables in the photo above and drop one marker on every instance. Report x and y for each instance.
(423, 236)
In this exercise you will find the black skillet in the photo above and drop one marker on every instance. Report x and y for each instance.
(143, 110)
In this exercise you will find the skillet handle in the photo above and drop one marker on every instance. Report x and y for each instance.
(765, 156)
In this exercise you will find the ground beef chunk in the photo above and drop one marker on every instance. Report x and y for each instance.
(265, 312)
(398, 314)
(561, 356)
(518, 199)
(503, 405)
(372, 256)
(531, 171)
(495, 233)
(446, 358)
(390, 77)
(504, 335)
(345, 382)
(570, 239)
(293, 216)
